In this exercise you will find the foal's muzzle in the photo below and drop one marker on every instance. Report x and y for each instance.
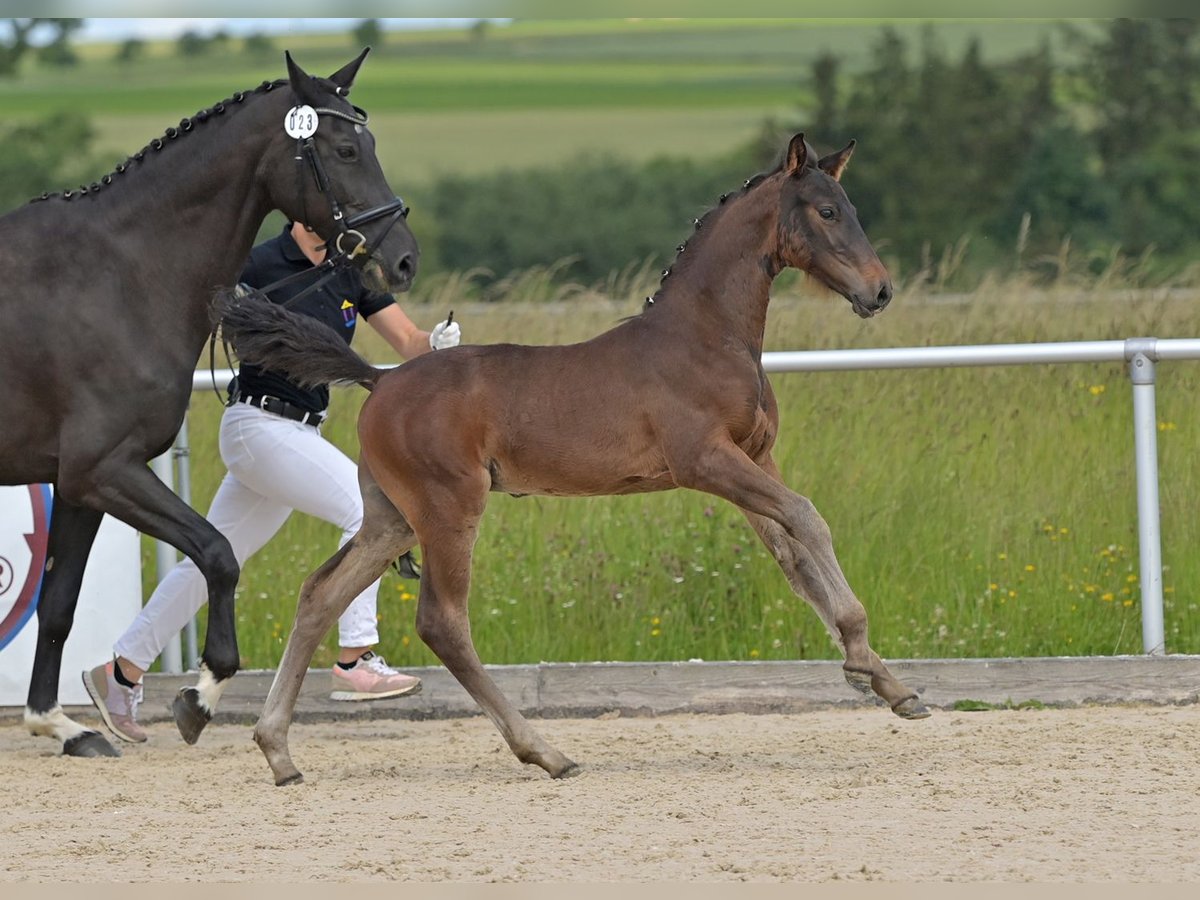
(870, 304)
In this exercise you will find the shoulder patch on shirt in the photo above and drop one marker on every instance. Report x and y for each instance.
(349, 313)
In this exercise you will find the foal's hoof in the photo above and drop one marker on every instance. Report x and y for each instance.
(89, 743)
(294, 778)
(911, 708)
(860, 681)
(572, 769)
(190, 716)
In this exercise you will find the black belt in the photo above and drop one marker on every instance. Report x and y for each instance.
(282, 408)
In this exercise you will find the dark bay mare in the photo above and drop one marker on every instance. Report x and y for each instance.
(673, 397)
(105, 311)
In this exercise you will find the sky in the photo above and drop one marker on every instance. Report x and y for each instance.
(120, 29)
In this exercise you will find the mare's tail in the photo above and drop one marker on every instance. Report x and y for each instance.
(307, 351)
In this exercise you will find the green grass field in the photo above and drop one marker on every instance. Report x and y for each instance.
(529, 94)
(977, 513)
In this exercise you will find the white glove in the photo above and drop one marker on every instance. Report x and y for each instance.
(445, 335)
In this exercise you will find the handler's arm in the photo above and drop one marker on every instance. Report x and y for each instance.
(400, 331)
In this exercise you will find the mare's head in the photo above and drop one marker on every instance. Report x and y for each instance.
(333, 180)
(819, 231)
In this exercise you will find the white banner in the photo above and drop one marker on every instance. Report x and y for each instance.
(109, 599)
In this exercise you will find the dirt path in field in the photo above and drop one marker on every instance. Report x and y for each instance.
(1080, 794)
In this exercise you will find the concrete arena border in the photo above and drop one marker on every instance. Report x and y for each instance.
(570, 690)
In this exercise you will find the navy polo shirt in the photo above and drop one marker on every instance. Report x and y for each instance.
(338, 303)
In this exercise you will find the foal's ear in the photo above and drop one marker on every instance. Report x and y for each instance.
(302, 83)
(835, 163)
(344, 77)
(797, 155)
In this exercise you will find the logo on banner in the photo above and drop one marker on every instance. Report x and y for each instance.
(24, 531)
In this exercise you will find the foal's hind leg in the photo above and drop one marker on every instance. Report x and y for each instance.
(800, 540)
(72, 531)
(443, 624)
(324, 596)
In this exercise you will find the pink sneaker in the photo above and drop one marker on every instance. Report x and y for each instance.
(117, 703)
(371, 679)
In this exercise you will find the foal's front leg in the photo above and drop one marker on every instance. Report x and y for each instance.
(801, 543)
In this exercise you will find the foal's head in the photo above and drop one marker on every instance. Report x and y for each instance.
(343, 195)
(819, 231)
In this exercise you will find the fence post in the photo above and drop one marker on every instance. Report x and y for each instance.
(1141, 353)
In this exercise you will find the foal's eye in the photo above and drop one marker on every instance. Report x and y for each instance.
(346, 152)
(827, 212)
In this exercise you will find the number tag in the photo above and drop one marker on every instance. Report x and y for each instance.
(300, 122)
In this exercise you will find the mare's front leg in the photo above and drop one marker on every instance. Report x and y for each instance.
(72, 531)
(325, 594)
(801, 543)
(135, 495)
(450, 523)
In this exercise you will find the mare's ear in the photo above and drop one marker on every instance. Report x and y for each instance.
(302, 83)
(344, 77)
(835, 163)
(797, 155)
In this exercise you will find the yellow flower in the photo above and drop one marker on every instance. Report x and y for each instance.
(754, 654)
(404, 640)
(1107, 597)
(655, 632)
(656, 621)
(1003, 556)
(1127, 603)
(1096, 390)
(1131, 578)
(1030, 567)
(993, 586)
(1166, 426)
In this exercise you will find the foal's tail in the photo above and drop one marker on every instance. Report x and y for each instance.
(307, 351)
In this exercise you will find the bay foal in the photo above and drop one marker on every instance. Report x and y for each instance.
(674, 397)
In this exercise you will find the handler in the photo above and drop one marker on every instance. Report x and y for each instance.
(277, 461)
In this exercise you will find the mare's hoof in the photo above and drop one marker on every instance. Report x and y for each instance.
(295, 778)
(911, 708)
(89, 743)
(190, 716)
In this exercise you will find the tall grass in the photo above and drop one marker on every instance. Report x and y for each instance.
(976, 512)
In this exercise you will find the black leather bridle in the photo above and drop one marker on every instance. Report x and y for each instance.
(394, 210)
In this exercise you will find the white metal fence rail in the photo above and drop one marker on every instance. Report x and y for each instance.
(1141, 354)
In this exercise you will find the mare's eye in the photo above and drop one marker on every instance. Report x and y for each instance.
(827, 212)
(347, 152)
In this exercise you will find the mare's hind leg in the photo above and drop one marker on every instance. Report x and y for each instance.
(442, 621)
(324, 596)
(72, 531)
(800, 540)
(130, 491)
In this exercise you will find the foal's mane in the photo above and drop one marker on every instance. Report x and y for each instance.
(185, 126)
(681, 261)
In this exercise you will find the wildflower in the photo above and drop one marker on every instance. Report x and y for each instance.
(1166, 426)
(1107, 597)
(1002, 556)
(754, 654)
(1030, 567)
(1127, 603)
(655, 632)
(1096, 390)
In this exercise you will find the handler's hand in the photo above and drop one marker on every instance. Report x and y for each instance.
(445, 335)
